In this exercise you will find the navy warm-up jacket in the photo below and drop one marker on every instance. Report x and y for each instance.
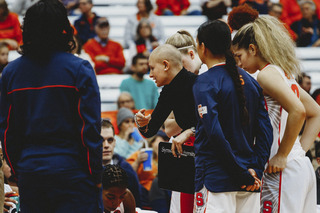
(50, 119)
(225, 149)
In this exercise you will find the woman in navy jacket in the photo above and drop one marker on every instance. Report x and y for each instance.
(50, 118)
(234, 134)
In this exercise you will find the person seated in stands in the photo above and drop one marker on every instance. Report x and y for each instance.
(10, 29)
(128, 140)
(304, 82)
(85, 24)
(307, 29)
(20, 6)
(240, 16)
(144, 12)
(125, 99)
(260, 5)
(215, 9)
(174, 7)
(145, 42)
(4, 53)
(136, 160)
(115, 195)
(106, 54)
(109, 157)
(144, 91)
(276, 10)
(70, 5)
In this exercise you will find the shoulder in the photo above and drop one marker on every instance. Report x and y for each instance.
(115, 43)
(129, 202)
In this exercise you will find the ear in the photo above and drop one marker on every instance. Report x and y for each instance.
(166, 65)
(202, 48)
(253, 50)
(191, 53)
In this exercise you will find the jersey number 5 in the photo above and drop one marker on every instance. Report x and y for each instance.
(295, 89)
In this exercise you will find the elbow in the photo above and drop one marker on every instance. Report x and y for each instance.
(301, 113)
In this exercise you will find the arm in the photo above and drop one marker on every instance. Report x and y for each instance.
(129, 203)
(116, 59)
(11, 147)
(312, 127)
(171, 126)
(263, 133)
(90, 115)
(136, 159)
(273, 84)
(206, 95)
(150, 124)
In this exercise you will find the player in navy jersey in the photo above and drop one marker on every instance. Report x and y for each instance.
(234, 134)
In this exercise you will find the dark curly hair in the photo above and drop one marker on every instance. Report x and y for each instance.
(241, 15)
(114, 175)
(46, 29)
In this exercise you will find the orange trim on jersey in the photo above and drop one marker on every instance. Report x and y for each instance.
(83, 125)
(265, 66)
(38, 88)
(5, 141)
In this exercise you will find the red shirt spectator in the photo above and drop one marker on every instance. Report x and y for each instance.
(177, 7)
(106, 54)
(291, 11)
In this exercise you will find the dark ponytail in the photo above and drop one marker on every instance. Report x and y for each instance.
(216, 37)
(233, 72)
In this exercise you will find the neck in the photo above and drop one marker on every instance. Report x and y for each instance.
(215, 60)
(136, 77)
(106, 162)
(262, 64)
(89, 14)
(144, 14)
(172, 74)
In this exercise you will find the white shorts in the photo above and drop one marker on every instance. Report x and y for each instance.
(181, 202)
(291, 191)
(226, 202)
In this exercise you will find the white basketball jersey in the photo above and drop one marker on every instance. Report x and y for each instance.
(119, 209)
(278, 118)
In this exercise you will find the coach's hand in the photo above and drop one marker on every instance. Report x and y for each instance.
(141, 119)
(178, 141)
(276, 164)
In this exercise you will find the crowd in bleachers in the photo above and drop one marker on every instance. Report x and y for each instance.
(142, 30)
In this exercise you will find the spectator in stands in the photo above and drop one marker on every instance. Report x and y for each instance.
(136, 160)
(85, 24)
(70, 5)
(260, 5)
(4, 52)
(106, 54)
(10, 30)
(291, 11)
(215, 9)
(144, 11)
(144, 91)
(174, 7)
(116, 197)
(109, 157)
(316, 96)
(307, 29)
(240, 16)
(145, 42)
(20, 6)
(275, 10)
(304, 81)
(125, 100)
(126, 144)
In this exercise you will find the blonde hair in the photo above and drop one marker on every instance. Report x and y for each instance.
(273, 42)
(182, 40)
